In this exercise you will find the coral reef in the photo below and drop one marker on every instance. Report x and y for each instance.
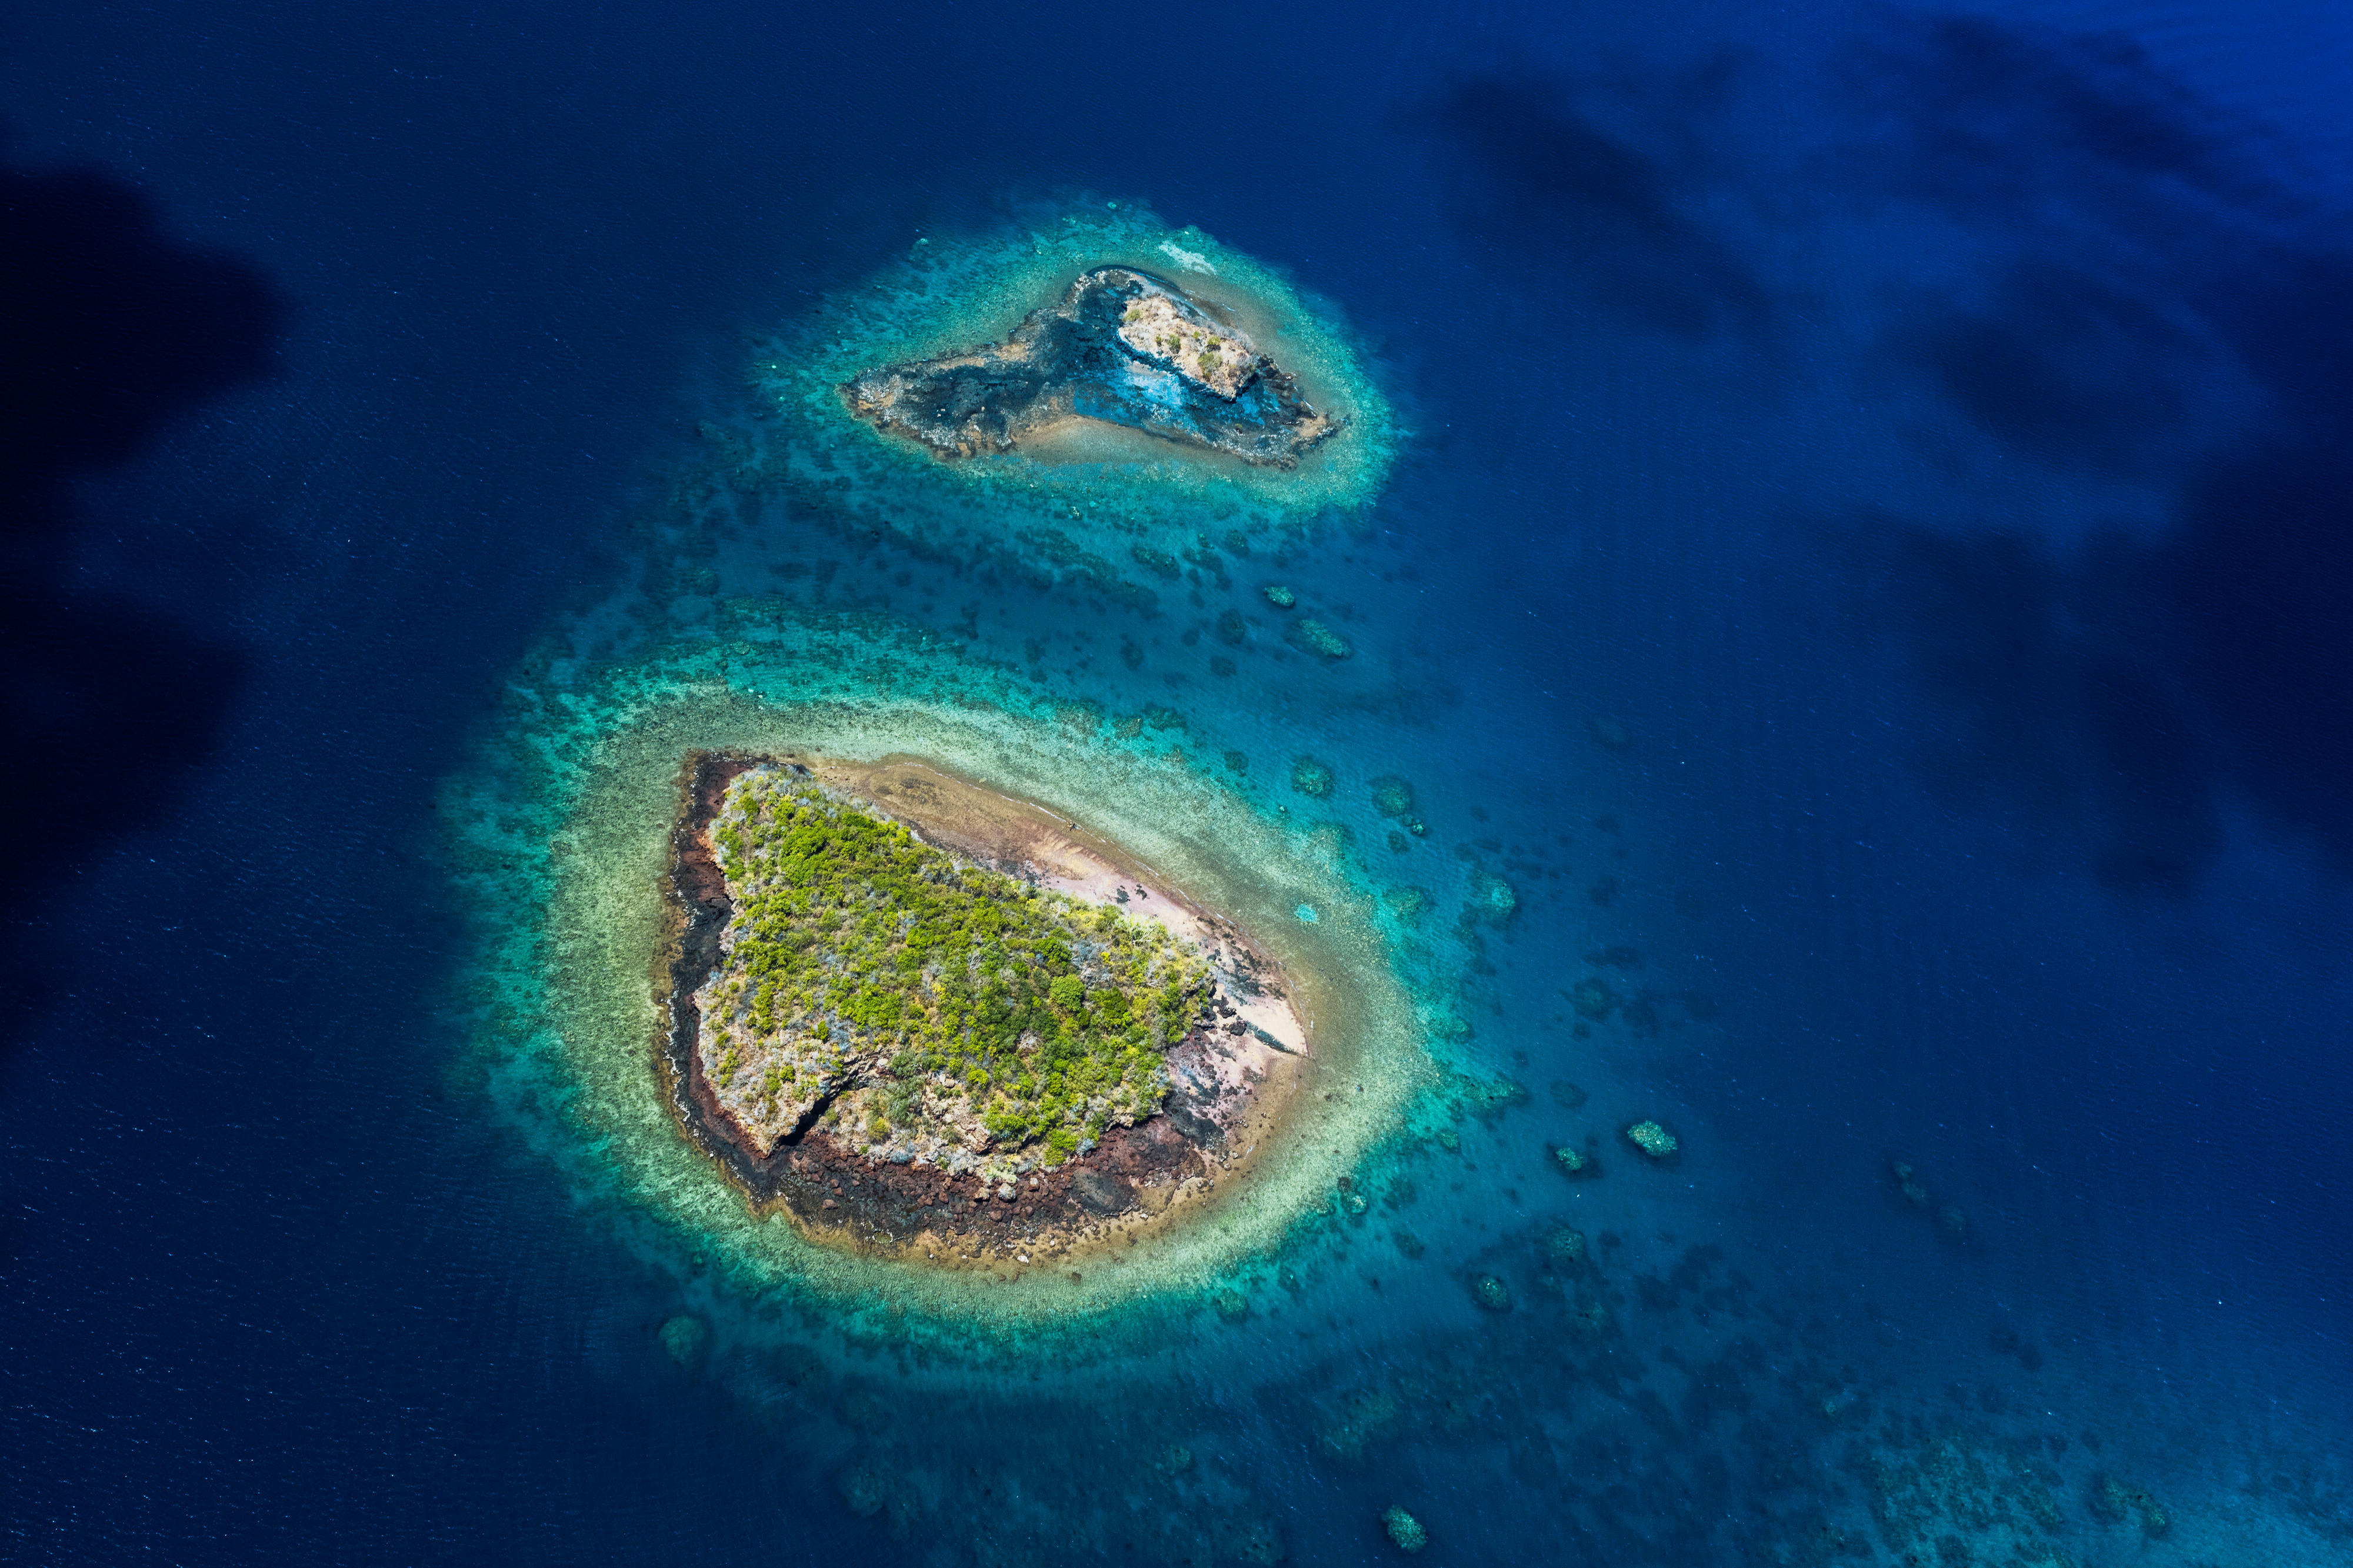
(1365, 1416)
(1310, 635)
(1407, 904)
(1392, 796)
(1652, 1139)
(1953, 1500)
(1592, 998)
(2119, 1502)
(1494, 901)
(868, 1488)
(1952, 1221)
(1404, 1530)
(1258, 1541)
(684, 1337)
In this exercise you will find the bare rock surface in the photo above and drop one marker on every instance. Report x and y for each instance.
(1121, 347)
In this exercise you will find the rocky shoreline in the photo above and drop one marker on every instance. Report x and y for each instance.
(1122, 348)
(839, 1192)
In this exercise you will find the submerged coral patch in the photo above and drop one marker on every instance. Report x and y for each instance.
(1312, 636)
(979, 1009)
(1652, 1139)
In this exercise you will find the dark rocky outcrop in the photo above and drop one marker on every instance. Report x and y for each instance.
(1121, 347)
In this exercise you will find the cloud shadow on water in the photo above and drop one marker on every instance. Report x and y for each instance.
(2134, 686)
(114, 332)
(1986, 116)
(1535, 184)
(2054, 715)
(2070, 367)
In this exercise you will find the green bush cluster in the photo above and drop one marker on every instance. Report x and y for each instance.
(856, 944)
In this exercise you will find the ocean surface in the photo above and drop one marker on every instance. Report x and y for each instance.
(1868, 567)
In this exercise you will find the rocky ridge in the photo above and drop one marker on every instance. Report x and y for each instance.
(1121, 347)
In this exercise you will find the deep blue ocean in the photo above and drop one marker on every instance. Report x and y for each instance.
(1870, 562)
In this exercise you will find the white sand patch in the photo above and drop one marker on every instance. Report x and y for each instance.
(1190, 260)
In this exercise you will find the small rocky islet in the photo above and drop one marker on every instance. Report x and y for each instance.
(1121, 347)
(944, 1052)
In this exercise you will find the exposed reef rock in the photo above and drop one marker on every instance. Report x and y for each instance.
(1121, 347)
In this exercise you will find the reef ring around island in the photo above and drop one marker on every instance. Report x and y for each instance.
(565, 847)
(1127, 481)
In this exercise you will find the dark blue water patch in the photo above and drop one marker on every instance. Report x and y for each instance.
(115, 330)
(1541, 186)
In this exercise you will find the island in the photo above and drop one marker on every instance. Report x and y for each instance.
(1121, 347)
(943, 1023)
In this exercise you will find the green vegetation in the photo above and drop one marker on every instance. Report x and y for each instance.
(926, 1003)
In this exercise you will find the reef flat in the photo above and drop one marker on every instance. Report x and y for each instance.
(1122, 347)
(936, 1023)
(566, 846)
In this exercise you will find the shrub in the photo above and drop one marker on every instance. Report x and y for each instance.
(854, 944)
